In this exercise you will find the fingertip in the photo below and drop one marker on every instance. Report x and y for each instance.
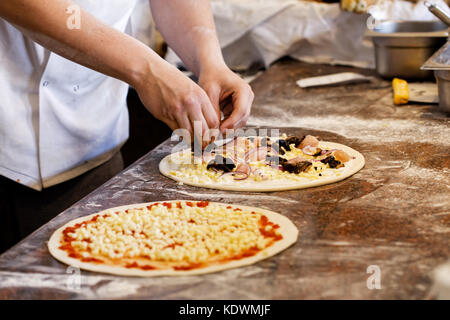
(226, 125)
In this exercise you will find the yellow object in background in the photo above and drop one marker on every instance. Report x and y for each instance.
(401, 92)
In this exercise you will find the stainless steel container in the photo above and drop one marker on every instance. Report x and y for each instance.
(401, 47)
(443, 81)
(439, 62)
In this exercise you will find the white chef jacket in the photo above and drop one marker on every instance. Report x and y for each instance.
(58, 119)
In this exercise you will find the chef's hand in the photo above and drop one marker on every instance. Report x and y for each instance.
(229, 93)
(176, 100)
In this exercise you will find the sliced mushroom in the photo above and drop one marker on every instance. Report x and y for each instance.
(294, 140)
(332, 162)
(296, 165)
(220, 163)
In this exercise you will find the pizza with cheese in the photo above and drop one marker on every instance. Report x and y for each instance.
(172, 238)
(264, 164)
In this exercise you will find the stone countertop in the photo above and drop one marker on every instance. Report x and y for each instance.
(393, 215)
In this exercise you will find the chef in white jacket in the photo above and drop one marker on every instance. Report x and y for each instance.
(65, 70)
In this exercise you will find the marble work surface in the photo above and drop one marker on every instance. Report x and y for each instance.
(394, 214)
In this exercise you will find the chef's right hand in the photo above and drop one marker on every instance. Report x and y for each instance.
(175, 99)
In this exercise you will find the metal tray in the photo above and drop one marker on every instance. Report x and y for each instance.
(440, 63)
(401, 47)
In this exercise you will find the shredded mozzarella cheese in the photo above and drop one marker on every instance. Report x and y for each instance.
(173, 232)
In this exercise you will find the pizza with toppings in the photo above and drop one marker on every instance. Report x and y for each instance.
(264, 164)
(172, 238)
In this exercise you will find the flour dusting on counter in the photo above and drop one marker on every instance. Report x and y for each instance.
(240, 196)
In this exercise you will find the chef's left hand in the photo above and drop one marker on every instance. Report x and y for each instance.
(228, 93)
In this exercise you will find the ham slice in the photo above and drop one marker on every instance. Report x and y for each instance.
(309, 141)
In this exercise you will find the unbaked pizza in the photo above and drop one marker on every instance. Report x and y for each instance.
(264, 164)
(172, 238)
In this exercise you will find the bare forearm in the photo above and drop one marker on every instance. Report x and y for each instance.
(188, 27)
(173, 98)
(94, 45)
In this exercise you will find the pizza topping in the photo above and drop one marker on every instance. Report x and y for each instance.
(296, 165)
(332, 162)
(237, 175)
(268, 228)
(181, 236)
(280, 146)
(208, 156)
(90, 259)
(244, 168)
(201, 204)
(294, 140)
(311, 151)
(295, 160)
(309, 141)
(246, 253)
(221, 163)
(327, 152)
(275, 160)
(137, 266)
(258, 173)
(263, 158)
(259, 153)
(284, 145)
(341, 156)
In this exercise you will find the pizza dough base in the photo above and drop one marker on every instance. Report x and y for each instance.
(287, 229)
(350, 168)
